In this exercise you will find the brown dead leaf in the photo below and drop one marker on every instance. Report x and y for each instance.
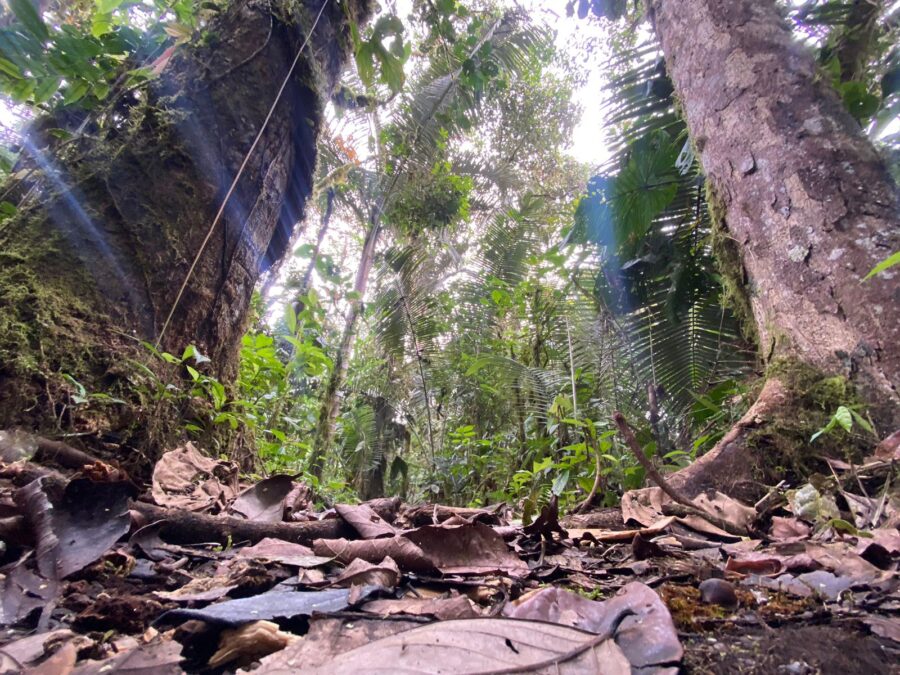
(76, 526)
(647, 638)
(889, 449)
(61, 663)
(407, 554)
(326, 639)
(459, 607)
(284, 552)
(365, 520)
(788, 529)
(264, 502)
(184, 478)
(480, 646)
(360, 572)
(250, 642)
(754, 563)
(886, 627)
(655, 528)
(24, 651)
(467, 549)
(162, 657)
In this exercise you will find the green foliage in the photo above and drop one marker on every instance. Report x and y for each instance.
(77, 56)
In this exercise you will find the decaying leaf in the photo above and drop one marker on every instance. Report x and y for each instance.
(264, 502)
(407, 555)
(365, 520)
(242, 646)
(77, 526)
(480, 646)
(184, 478)
(284, 552)
(646, 635)
(467, 549)
(274, 604)
(385, 574)
(459, 607)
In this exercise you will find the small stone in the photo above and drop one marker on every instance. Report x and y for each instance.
(718, 592)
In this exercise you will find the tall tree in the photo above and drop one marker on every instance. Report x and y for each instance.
(113, 238)
(805, 207)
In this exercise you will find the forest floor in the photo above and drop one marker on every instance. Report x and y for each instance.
(203, 573)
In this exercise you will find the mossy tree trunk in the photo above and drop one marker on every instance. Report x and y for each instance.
(110, 223)
(806, 206)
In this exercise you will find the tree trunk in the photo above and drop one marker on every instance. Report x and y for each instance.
(803, 207)
(330, 404)
(94, 259)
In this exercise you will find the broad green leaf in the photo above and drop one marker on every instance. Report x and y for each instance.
(107, 6)
(75, 92)
(844, 418)
(27, 13)
(47, 87)
(10, 68)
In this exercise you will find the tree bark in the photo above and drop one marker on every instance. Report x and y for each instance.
(799, 192)
(803, 207)
(93, 262)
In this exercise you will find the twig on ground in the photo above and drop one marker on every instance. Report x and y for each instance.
(690, 508)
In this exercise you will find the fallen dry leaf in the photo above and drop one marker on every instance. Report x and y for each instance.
(479, 646)
(242, 646)
(385, 574)
(459, 607)
(77, 527)
(284, 552)
(407, 555)
(277, 603)
(264, 502)
(646, 635)
(467, 549)
(365, 520)
(184, 478)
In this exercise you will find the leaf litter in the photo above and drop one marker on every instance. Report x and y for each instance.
(92, 586)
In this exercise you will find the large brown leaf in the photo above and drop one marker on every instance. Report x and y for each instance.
(479, 646)
(646, 635)
(407, 555)
(467, 549)
(264, 502)
(77, 526)
(184, 478)
(364, 520)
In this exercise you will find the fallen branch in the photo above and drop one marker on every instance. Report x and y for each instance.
(690, 508)
(186, 527)
(46, 450)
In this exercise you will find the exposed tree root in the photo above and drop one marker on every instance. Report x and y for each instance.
(735, 466)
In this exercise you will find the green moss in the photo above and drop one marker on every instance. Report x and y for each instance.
(731, 268)
(784, 438)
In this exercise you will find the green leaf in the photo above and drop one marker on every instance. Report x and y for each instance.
(27, 13)
(75, 92)
(193, 373)
(107, 6)
(862, 421)
(844, 418)
(890, 261)
(10, 68)
(101, 24)
(45, 89)
(559, 484)
(858, 100)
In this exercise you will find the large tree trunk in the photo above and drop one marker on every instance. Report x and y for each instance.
(804, 208)
(97, 253)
